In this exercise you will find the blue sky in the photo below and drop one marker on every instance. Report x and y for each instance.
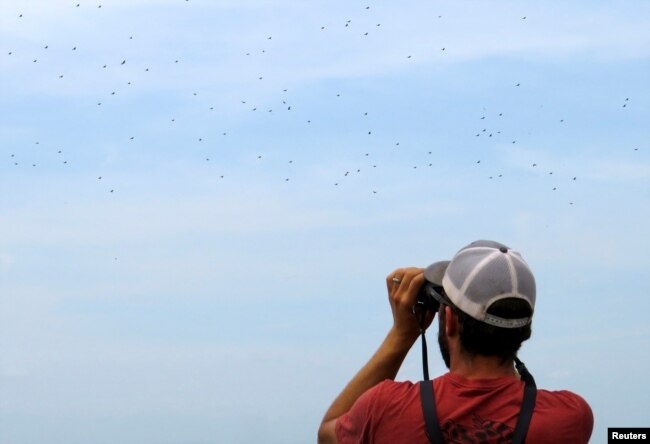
(215, 287)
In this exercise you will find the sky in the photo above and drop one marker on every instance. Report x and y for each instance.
(200, 201)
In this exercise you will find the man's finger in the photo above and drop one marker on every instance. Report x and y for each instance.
(414, 286)
(394, 279)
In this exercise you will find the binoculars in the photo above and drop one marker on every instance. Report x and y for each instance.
(429, 297)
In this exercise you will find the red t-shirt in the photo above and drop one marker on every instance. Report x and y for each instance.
(469, 411)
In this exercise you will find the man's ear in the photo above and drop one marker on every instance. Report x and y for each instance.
(451, 322)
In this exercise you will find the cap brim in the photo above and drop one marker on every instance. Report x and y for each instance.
(435, 272)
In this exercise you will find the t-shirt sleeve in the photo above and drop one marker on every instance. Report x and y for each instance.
(355, 426)
(564, 415)
(577, 416)
(586, 418)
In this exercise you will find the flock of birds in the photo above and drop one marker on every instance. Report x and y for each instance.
(487, 125)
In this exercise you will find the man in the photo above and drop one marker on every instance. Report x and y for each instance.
(486, 297)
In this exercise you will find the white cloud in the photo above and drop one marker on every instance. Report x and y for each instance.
(300, 53)
(233, 206)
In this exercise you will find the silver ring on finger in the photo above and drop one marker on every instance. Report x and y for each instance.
(396, 280)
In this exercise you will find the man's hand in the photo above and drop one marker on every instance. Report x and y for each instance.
(403, 287)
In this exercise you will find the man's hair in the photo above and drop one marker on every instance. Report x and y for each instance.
(479, 338)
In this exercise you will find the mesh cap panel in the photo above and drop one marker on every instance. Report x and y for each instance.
(492, 282)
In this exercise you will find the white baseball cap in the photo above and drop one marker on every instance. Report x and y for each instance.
(482, 273)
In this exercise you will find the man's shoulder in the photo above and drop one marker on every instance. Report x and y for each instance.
(564, 412)
(396, 394)
(560, 399)
(389, 397)
(390, 389)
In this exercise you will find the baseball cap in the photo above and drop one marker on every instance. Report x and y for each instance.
(482, 273)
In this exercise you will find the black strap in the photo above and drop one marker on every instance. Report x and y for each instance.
(429, 409)
(421, 313)
(527, 405)
(428, 400)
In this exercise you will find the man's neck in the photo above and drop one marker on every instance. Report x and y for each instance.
(481, 367)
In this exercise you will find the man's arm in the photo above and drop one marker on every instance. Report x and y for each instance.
(387, 360)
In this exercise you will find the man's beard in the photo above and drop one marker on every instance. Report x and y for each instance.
(443, 342)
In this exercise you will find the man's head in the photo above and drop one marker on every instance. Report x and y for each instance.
(490, 291)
